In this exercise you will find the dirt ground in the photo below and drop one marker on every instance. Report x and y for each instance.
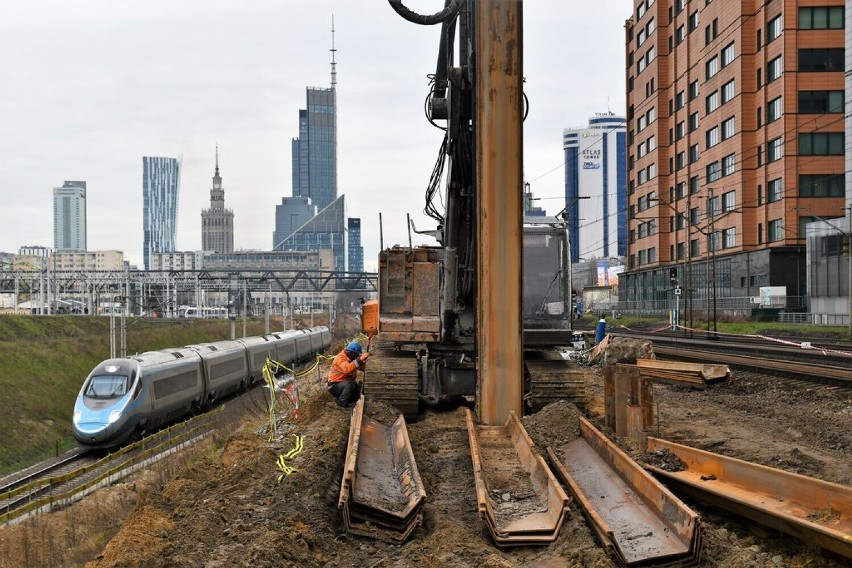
(226, 506)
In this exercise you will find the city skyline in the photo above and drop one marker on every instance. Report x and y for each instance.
(244, 90)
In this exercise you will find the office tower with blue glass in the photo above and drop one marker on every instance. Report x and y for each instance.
(356, 251)
(69, 216)
(160, 190)
(596, 187)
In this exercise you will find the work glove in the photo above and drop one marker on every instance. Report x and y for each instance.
(363, 357)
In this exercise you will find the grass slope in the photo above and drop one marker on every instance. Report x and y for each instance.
(44, 360)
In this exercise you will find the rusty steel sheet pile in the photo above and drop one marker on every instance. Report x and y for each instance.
(639, 521)
(695, 374)
(815, 511)
(391, 377)
(381, 494)
(518, 498)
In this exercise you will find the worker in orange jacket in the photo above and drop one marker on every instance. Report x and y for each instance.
(342, 383)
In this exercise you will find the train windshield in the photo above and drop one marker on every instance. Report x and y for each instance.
(107, 386)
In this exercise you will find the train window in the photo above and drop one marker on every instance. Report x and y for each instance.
(107, 386)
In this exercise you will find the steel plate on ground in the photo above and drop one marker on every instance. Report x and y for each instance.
(816, 511)
(638, 520)
(517, 496)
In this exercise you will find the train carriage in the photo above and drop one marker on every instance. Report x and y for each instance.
(226, 367)
(124, 397)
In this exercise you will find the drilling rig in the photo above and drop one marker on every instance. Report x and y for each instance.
(449, 317)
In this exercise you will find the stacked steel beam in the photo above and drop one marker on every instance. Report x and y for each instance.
(381, 494)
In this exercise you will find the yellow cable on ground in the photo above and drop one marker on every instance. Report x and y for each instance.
(282, 464)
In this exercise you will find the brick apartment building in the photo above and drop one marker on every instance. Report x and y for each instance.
(735, 137)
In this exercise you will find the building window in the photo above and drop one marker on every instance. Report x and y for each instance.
(693, 122)
(713, 172)
(775, 150)
(760, 233)
(773, 29)
(679, 35)
(680, 190)
(713, 206)
(728, 91)
(773, 110)
(729, 199)
(694, 247)
(759, 116)
(728, 128)
(727, 54)
(652, 255)
(712, 66)
(693, 153)
(774, 231)
(679, 100)
(712, 101)
(821, 18)
(821, 144)
(729, 164)
(822, 185)
(693, 185)
(694, 215)
(774, 69)
(693, 21)
(679, 130)
(759, 77)
(729, 237)
(693, 90)
(712, 136)
(680, 160)
(820, 102)
(817, 60)
(774, 191)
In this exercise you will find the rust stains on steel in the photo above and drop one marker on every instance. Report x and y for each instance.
(499, 159)
(815, 511)
(381, 494)
(409, 288)
(517, 496)
(638, 520)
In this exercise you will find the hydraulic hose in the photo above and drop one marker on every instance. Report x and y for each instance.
(451, 8)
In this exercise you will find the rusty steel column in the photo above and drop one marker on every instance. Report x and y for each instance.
(499, 167)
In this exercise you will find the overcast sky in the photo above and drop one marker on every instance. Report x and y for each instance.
(91, 86)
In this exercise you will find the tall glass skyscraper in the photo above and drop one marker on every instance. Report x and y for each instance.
(356, 251)
(160, 188)
(314, 152)
(69, 216)
(596, 171)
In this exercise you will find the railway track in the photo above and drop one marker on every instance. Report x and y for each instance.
(60, 482)
(791, 363)
(792, 349)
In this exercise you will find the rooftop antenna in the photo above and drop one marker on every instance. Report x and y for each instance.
(217, 159)
(333, 51)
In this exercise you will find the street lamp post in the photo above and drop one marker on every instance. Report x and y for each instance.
(685, 262)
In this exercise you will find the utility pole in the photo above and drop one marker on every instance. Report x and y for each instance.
(711, 272)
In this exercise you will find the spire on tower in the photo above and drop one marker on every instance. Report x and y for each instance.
(333, 51)
(217, 159)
